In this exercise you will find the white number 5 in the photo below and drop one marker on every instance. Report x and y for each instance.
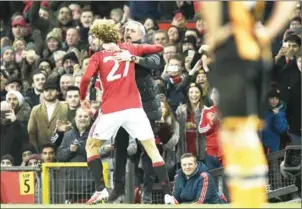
(112, 74)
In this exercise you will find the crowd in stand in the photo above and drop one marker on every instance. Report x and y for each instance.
(45, 49)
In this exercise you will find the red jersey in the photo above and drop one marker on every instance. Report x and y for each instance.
(117, 78)
(210, 131)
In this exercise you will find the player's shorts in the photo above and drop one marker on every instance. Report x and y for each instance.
(134, 121)
(237, 82)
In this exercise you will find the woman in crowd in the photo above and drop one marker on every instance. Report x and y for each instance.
(188, 116)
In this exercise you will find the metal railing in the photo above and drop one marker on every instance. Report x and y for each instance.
(275, 179)
(73, 182)
(68, 182)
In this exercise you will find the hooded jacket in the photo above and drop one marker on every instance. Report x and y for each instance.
(275, 125)
(199, 188)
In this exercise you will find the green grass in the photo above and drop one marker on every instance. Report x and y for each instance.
(276, 205)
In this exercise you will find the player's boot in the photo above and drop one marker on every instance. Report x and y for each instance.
(99, 197)
(116, 196)
(245, 162)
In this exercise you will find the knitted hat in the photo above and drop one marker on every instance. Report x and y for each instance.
(30, 46)
(56, 33)
(71, 56)
(273, 93)
(17, 94)
(33, 156)
(5, 49)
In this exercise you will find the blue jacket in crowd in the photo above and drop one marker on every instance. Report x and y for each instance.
(275, 125)
(199, 188)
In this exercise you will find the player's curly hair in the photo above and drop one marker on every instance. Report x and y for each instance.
(105, 30)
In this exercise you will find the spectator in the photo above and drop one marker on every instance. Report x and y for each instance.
(19, 27)
(43, 118)
(13, 134)
(167, 134)
(76, 11)
(58, 58)
(174, 35)
(20, 107)
(7, 61)
(53, 43)
(275, 122)
(87, 17)
(65, 82)
(29, 64)
(295, 22)
(69, 60)
(160, 37)
(72, 149)
(189, 43)
(46, 66)
(169, 51)
(3, 81)
(13, 85)
(150, 24)
(179, 21)
(63, 20)
(202, 80)
(188, 116)
(19, 46)
(34, 160)
(27, 150)
(7, 161)
(289, 74)
(33, 96)
(48, 153)
(72, 38)
(193, 184)
(73, 101)
(209, 127)
(175, 81)
(294, 110)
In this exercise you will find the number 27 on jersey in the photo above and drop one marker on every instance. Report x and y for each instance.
(113, 75)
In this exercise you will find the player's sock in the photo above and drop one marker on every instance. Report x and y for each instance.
(96, 167)
(161, 171)
(245, 162)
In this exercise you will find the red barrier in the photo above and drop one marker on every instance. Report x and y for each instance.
(166, 25)
(17, 187)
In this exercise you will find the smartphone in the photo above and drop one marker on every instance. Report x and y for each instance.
(285, 44)
(4, 112)
(191, 53)
(172, 68)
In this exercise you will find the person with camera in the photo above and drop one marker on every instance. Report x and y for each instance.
(72, 149)
(13, 134)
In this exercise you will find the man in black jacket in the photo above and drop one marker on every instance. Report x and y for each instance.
(134, 33)
(13, 134)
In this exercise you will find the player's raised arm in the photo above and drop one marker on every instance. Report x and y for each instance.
(91, 70)
(277, 22)
(148, 49)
